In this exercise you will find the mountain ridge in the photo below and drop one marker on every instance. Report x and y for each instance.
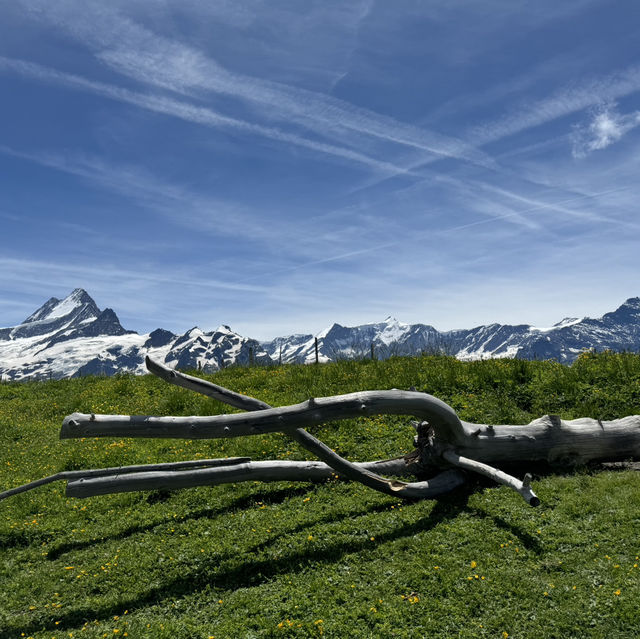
(72, 337)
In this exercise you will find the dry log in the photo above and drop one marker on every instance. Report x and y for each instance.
(73, 475)
(286, 420)
(444, 444)
(309, 413)
(547, 439)
(555, 441)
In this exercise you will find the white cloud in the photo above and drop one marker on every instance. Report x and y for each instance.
(563, 102)
(606, 127)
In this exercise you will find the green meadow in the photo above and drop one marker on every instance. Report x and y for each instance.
(332, 559)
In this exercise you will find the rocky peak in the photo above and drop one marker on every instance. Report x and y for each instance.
(629, 311)
(107, 323)
(77, 303)
(74, 311)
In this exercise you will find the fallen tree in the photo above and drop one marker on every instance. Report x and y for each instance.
(446, 448)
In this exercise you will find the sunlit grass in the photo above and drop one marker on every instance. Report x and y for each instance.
(332, 560)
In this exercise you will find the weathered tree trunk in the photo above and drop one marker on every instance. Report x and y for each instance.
(549, 439)
(445, 445)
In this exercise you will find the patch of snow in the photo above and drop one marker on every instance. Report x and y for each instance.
(234, 351)
(393, 331)
(567, 321)
(223, 328)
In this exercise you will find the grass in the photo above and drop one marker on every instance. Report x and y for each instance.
(331, 560)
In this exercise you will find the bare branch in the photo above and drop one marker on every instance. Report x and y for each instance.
(245, 471)
(309, 413)
(71, 475)
(521, 487)
(204, 387)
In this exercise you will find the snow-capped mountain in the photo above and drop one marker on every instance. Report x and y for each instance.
(390, 337)
(71, 337)
(619, 330)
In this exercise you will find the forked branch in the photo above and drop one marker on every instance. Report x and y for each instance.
(445, 446)
(342, 467)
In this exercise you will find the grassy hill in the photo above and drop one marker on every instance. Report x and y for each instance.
(331, 560)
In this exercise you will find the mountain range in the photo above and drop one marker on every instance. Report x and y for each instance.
(73, 337)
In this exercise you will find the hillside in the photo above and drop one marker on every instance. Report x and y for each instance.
(303, 560)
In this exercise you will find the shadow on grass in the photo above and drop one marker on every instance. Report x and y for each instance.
(527, 540)
(251, 572)
(24, 539)
(268, 497)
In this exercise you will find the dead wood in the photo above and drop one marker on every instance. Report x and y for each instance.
(445, 445)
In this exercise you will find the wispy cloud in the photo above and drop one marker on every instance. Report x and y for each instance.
(298, 244)
(190, 112)
(537, 206)
(533, 204)
(565, 101)
(605, 127)
(135, 51)
(31, 270)
(185, 71)
(183, 206)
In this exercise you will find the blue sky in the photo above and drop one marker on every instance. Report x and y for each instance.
(281, 165)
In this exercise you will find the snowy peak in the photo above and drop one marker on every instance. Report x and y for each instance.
(212, 351)
(79, 302)
(44, 311)
(391, 330)
(56, 315)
